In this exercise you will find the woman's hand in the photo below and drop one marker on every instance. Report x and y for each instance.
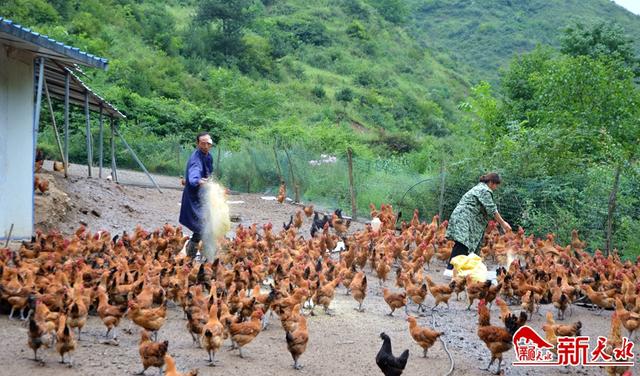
(505, 226)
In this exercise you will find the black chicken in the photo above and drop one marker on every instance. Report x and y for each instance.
(389, 364)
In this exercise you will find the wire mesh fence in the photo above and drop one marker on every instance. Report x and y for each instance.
(540, 205)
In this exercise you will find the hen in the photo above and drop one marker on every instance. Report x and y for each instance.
(497, 339)
(212, 334)
(297, 341)
(562, 330)
(171, 369)
(390, 365)
(65, 342)
(424, 336)
(441, 293)
(358, 287)
(36, 341)
(151, 353)
(394, 300)
(244, 332)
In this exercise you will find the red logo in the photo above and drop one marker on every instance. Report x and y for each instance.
(533, 350)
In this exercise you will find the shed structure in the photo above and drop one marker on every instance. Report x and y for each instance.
(35, 68)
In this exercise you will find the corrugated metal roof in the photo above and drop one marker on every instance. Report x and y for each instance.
(27, 35)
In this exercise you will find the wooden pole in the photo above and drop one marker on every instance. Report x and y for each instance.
(296, 187)
(275, 156)
(352, 190)
(442, 185)
(100, 140)
(88, 126)
(114, 174)
(612, 208)
(66, 123)
(217, 167)
(55, 127)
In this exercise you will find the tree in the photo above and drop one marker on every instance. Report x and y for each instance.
(225, 22)
(599, 40)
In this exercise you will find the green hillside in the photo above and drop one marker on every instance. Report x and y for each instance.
(481, 36)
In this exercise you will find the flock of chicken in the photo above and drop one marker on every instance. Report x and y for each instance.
(56, 282)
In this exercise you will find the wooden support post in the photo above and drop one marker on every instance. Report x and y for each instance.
(275, 156)
(442, 185)
(612, 208)
(133, 153)
(114, 173)
(352, 189)
(100, 141)
(296, 187)
(66, 123)
(217, 167)
(55, 126)
(36, 115)
(88, 126)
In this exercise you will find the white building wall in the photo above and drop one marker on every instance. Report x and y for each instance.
(16, 143)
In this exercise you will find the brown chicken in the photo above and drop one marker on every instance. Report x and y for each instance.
(497, 339)
(598, 298)
(150, 319)
(171, 369)
(109, 314)
(441, 293)
(65, 342)
(308, 211)
(630, 320)
(36, 334)
(417, 293)
(244, 332)
(297, 341)
(151, 353)
(324, 295)
(58, 166)
(424, 336)
(562, 330)
(476, 290)
(358, 288)
(560, 301)
(282, 192)
(212, 334)
(394, 300)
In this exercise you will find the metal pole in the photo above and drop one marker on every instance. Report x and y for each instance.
(36, 115)
(53, 120)
(114, 174)
(66, 122)
(100, 142)
(86, 114)
(133, 153)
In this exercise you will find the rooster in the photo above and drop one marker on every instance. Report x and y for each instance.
(390, 365)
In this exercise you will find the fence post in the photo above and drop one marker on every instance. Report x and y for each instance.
(217, 169)
(275, 156)
(296, 187)
(442, 186)
(612, 208)
(352, 190)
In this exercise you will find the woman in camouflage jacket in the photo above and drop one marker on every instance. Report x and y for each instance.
(471, 216)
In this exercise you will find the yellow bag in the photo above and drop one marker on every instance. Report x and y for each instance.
(470, 265)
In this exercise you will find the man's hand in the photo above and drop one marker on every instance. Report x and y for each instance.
(202, 181)
(505, 226)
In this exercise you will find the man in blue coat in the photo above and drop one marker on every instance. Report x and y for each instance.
(199, 168)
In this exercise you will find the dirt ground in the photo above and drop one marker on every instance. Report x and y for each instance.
(344, 344)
